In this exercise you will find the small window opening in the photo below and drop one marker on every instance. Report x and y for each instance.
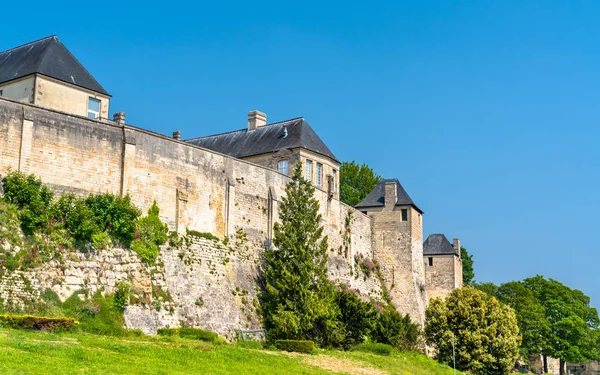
(319, 172)
(282, 167)
(93, 108)
(308, 174)
(404, 214)
(430, 262)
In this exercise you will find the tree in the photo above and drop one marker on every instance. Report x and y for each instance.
(573, 322)
(298, 299)
(356, 181)
(531, 316)
(467, 265)
(485, 331)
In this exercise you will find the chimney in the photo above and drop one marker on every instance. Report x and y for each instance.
(456, 245)
(256, 119)
(119, 118)
(177, 135)
(391, 193)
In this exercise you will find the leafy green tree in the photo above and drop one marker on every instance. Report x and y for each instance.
(298, 299)
(531, 316)
(485, 331)
(573, 322)
(356, 181)
(467, 265)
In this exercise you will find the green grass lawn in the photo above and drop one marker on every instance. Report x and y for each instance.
(24, 352)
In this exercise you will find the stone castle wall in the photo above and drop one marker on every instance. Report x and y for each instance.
(196, 189)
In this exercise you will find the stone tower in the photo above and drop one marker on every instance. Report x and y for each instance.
(443, 265)
(397, 231)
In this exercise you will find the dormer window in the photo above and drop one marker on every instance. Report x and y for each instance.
(93, 108)
(282, 167)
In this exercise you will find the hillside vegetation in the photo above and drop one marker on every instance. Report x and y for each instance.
(23, 352)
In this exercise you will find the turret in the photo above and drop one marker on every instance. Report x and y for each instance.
(398, 245)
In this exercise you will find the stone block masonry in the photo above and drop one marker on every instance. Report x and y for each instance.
(195, 189)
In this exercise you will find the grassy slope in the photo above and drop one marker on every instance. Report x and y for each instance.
(42, 353)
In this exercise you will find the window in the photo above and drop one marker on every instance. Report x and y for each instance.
(0, 92)
(308, 174)
(282, 167)
(430, 262)
(319, 174)
(404, 214)
(334, 172)
(93, 108)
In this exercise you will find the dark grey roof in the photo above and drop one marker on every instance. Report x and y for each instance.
(376, 198)
(265, 139)
(49, 57)
(438, 244)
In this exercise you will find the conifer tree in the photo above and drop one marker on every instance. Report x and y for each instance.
(298, 298)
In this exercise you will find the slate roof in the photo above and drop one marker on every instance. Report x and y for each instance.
(49, 57)
(438, 244)
(376, 198)
(266, 139)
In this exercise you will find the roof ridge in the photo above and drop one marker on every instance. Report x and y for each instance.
(77, 61)
(241, 130)
(28, 43)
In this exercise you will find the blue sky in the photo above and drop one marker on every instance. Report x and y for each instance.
(487, 111)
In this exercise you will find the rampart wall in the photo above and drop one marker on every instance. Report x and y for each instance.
(194, 188)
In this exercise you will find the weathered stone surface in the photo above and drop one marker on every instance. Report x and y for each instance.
(200, 190)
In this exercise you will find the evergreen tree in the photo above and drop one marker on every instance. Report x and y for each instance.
(298, 298)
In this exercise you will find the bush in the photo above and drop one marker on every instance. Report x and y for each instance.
(76, 217)
(32, 198)
(191, 333)
(198, 334)
(147, 250)
(121, 297)
(38, 323)
(115, 215)
(396, 330)
(299, 346)
(168, 331)
(149, 235)
(358, 317)
(206, 235)
(376, 348)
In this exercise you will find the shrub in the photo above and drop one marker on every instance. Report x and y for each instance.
(357, 317)
(147, 250)
(115, 215)
(32, 198)
(198, 334)
(105, 319)
(39, 323)
(394, 329)
(299, 346)
(376, 348)
(76, 216)
(191, 333)
(168, 331)
(150, 233)
(206, 235)
(121, 297)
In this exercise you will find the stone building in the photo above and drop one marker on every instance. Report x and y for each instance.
(279, 146)
(46, 74)
(443, 265)
(397, 227)
(54, 124)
